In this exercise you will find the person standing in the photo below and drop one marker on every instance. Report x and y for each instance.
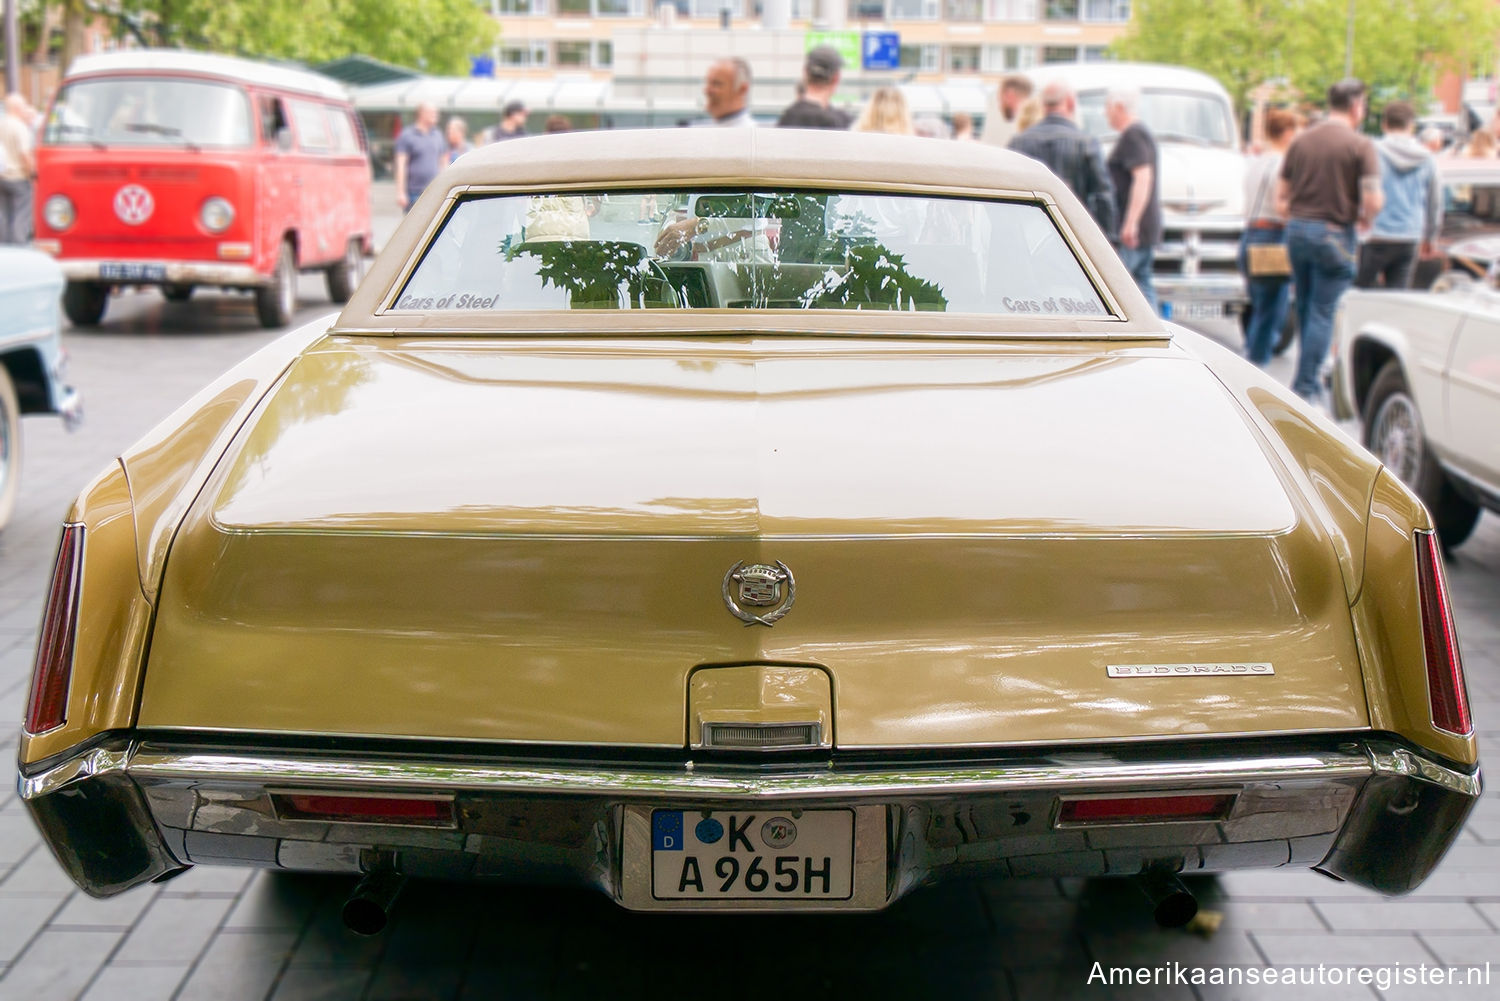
(458, 138)
(963, 127)
(512, 122)
(726, 94)
(1269, 282)
(1135, 172)
(886, 111)
(1000, 125)
(1413, 207)
(821, 70)
(1329, 184)
(1070, 153)
(17, 169)
(421, 152)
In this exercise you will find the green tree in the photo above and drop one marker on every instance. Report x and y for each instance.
(1399, 45)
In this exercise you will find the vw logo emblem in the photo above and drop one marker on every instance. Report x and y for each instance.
(749, 586)
(133, 204)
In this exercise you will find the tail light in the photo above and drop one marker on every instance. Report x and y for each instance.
(425, 811)
(1445, 669)
(47, 708)
(1147, 809)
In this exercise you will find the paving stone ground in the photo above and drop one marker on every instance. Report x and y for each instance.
(228, 934)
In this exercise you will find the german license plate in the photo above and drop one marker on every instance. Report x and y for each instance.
(1197, 311)
(132, 271)
(741, 855)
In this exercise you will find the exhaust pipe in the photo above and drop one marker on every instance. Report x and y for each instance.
(368, 908)
(1173, 904)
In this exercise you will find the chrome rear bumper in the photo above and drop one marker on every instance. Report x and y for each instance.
(1369, 811)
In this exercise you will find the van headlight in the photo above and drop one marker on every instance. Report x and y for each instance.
(59, 212)
(216, 214)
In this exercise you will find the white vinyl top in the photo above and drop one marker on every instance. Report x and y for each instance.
(208, 64)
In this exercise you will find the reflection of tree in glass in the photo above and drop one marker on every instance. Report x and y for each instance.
(607, 273)
(877, 278)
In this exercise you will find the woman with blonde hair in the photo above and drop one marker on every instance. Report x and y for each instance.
(1029, 113)
(886, 112)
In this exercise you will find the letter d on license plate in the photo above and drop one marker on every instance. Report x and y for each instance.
(750, 855)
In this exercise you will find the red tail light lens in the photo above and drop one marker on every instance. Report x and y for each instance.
(365, 809)
(1445, 669)
(47, 708)
(1145, 809)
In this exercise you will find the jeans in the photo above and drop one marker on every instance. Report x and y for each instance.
(15, 211)
(1269, 297)
(1323, 255)
(1137, 261)
(1390, 261)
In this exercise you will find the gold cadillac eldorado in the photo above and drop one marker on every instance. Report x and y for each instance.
(747, 520)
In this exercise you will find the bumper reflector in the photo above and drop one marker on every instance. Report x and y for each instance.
(421, 811)
(47, 706)
(234, 251)
(1446, 694)
(1145, 809)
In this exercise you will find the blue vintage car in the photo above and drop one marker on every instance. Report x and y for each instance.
(31, 358)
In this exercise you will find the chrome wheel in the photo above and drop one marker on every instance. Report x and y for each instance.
(287, 282)
(1396, 437)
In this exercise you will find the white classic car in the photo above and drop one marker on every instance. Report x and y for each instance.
(31, 358)
(1422, 369)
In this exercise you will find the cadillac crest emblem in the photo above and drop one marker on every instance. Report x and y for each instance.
(757, 585)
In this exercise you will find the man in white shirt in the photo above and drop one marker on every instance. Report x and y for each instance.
(726, 94)
(17, 168)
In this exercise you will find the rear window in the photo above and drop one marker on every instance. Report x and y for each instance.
(737, 249)
(149, 111)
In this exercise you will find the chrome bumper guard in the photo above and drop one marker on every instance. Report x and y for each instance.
(1372, 812)
(175, 273)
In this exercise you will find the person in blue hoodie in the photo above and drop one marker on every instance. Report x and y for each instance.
(1408, 223)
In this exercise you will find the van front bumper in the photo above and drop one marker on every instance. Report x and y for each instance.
(115, 272)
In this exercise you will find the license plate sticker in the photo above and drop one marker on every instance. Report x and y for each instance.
(132, 271)
(740, 855)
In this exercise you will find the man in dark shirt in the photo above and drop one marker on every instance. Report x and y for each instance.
(1329, 184)
(820, 78)
(421, 152)
(1071, 154)
(512, 122)
(1134, 170)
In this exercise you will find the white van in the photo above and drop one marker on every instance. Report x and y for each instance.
(1202, 176)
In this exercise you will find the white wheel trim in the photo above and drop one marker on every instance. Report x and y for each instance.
(1396, 437)
(9, 439)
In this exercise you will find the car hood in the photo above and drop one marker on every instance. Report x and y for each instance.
(1201, 180)
(529, 542)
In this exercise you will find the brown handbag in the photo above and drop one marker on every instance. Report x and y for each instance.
(1268, 260)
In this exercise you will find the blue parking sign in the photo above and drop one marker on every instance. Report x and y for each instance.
(881, 50)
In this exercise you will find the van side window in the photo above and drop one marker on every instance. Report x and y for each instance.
(311, 125)
(345, 141)
(272, 119)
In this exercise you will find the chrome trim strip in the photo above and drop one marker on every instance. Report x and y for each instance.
(1060, 772)
(194, 272)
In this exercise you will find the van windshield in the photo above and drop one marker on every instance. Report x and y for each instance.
(1171, 115)
(148, 111)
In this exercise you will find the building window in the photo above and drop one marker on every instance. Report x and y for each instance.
(619, 8)
(524, 54)
(921, 58)
(1096, 54)
(802, 10)
(1008, 58)
(963, 59)
(1106, 10)
(523, 6)
(573, 8)
(964, 10)
(604, 54)
(573, 52)
(867, 10)
(1059, 53)
(1062, 10)
(1010, 10)
(914, 10)
(684, 7)
(711, 9)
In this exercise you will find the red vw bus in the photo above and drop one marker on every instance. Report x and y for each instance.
(181, 169)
